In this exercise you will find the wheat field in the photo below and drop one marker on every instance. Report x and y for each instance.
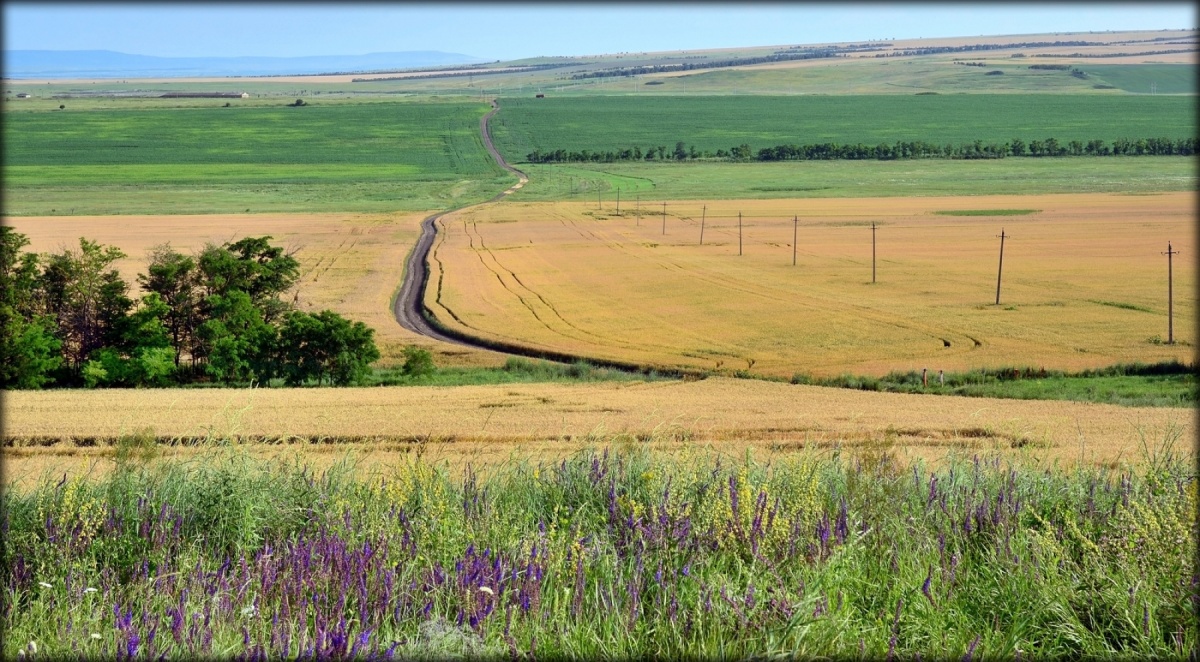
(74, 431)
(1084, 283)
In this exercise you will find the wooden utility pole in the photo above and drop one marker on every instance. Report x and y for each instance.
(703, 213)
(598, 205)
(1170, 296)
(795, 229)
(618, 200)
(664, 218)
(739, 233)
(1000, 270)
(872, 251)
(637, 210)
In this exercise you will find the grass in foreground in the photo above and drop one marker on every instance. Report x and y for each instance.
(1165, 384)
(610, 554)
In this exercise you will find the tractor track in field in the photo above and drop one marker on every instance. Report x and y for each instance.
(410, 311)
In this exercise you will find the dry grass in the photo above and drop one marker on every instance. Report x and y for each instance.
(569, 277)
(351, 263)
(70, 431)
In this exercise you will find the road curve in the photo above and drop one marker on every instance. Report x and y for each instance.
(409, 304)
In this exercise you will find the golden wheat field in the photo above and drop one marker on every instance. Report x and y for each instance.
(70, 431)
(350, 263)
(1084, 282)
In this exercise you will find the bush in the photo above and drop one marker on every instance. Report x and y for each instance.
(418, 362)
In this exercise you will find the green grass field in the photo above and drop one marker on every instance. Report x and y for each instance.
(321, 157)
(1138, 78)
(848, 179)
(712, 123)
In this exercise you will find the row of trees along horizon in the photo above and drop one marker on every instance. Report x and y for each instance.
(67, 319)
(917, 149)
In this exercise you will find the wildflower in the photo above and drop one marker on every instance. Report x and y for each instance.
(486, 589)
(90, 590)
(248, 611)
(45, 585)
(33, 647)
(95, 635)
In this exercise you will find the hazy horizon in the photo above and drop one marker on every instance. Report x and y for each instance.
(518, 31)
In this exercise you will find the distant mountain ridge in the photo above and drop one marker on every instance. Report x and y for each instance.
(111, 64)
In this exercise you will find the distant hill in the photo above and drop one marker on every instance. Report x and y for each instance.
(111, 64)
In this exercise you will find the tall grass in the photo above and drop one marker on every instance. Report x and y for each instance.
(616, 552)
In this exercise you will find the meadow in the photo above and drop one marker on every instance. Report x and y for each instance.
(607, 555)
(320, 157)
(1084, 284)
(723, 122)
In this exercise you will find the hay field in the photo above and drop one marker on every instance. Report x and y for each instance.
(70, 431)
(1084, 282)
(350, 263)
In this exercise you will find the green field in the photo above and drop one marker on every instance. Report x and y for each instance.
(1166, 78)
(848, 179)
(321, 157)
(712, 123)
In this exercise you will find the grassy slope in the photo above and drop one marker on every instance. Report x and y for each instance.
(323, 157)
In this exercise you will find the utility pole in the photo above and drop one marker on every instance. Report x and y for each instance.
(739, 233)
(703, 213)
(664, 218)
(618, 200)
(872, 251)
(638, 209)
(1000, 270)
(598, 204)
(1170, 296)
(795, 229)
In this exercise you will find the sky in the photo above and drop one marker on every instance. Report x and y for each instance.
(504, 31)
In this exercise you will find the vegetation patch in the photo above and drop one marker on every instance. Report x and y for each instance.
(1124, 306)
(615, 548)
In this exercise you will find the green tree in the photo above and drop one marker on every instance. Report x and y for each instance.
(680, 152)
(87, 299)
(29, 352)
(241, 343)
(325, 346)
(176, 279)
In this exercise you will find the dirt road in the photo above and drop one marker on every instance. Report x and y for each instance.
(408, 307)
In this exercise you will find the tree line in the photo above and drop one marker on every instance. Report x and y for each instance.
(916, 149)
(781, 56)
(220, 315)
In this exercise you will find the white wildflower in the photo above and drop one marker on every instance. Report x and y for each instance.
(32, 647)
(45, 585)
(90, 590)
(248, 611)
(95, 635)
(485, 589)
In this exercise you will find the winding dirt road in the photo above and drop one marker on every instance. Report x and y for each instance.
(409, 306)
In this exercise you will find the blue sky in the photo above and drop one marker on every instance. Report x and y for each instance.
(511, 31)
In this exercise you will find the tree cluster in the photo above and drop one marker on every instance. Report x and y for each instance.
(219, 315)
(936, 50)
(916, 149)
(718, 64)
